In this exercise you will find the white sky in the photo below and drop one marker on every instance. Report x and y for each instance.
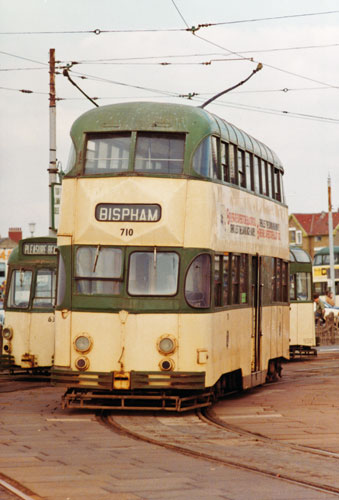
(308, 148)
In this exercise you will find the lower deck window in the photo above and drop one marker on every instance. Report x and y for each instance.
(153, 273)
(20, 289)
(98, 270)
(44, 288)
(300, 287)
(198, 282)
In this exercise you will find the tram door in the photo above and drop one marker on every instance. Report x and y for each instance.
(256, 312)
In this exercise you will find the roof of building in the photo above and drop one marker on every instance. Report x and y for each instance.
(7, 243)
(316, 224)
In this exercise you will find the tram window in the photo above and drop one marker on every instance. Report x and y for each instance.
(224, 162)
(270, 191)
(61, 283)
(217, 281)
(225, 279)
(198, 282)
(293, 295)
(303, 286)
(71, 159)
(20, 289)
(153, 273)
(235, 270)
(241, 168)
(243, 278)
(233, 171)
(107, 153)
(284, 292)
(205, 159)
(248, 171)
(277, 188)
(160, 153)
(256, 174)
(98, 270)
(277, 281)
(44, 295)
(264, 179)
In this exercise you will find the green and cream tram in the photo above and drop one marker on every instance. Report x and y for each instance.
(302, 325)
(173, 263)
(28, 332)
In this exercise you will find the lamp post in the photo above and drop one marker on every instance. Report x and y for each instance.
(31, 226)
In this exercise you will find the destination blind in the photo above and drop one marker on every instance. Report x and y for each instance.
(115, 212)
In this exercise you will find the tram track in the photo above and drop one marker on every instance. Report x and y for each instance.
(243, 450)
(206, 415)
(11, 490)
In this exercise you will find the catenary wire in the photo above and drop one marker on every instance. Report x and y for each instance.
(98, 31)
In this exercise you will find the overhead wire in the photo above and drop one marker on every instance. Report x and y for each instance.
(193, 29)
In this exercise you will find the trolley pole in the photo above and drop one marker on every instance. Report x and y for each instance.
(330, 238)
(52, 170)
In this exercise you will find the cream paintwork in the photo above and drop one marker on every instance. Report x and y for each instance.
(226, 336)
(33, 334)
(302, 327)
(195, 214)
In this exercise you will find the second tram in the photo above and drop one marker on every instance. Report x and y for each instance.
(321, 272)
(302, 326)
(173, 260)
(28, 331)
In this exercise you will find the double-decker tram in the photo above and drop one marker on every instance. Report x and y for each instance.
(321, 272)
(302, 325)
(28, 332)
(173, 260)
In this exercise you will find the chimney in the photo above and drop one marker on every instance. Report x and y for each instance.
(15, 234)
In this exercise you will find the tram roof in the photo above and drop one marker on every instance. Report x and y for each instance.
(18, 255)
(326, 251)
(167, 117)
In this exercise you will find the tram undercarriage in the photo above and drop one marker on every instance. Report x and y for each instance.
(178, 400)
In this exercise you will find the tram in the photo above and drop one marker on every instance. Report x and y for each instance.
(321, 272)
(173, 260)
(28, 331)
(302, 325)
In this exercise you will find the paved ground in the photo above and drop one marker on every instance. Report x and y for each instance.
(69, 455)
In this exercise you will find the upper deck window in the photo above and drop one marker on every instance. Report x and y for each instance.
(98, 270)
(205, 160)
(160, 153)
(107, 153)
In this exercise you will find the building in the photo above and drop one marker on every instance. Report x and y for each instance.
(6, 246)
(310, 231)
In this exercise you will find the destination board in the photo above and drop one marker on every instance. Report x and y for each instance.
(118, 212)
(39, 248)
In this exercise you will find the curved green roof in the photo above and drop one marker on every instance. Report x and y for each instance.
(163, 117)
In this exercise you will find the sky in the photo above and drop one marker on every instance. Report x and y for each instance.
(120, 46)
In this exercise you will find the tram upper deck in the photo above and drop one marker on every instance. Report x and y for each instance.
(130, 148)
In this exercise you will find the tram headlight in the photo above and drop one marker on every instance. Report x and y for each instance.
(166, 364)
(166, 344)
(82, 363)
(7, 333)
(83, 343)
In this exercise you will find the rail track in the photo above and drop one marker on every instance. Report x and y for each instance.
(203, 436)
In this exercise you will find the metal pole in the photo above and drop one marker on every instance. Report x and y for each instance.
(330, 238)
(52, 170)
